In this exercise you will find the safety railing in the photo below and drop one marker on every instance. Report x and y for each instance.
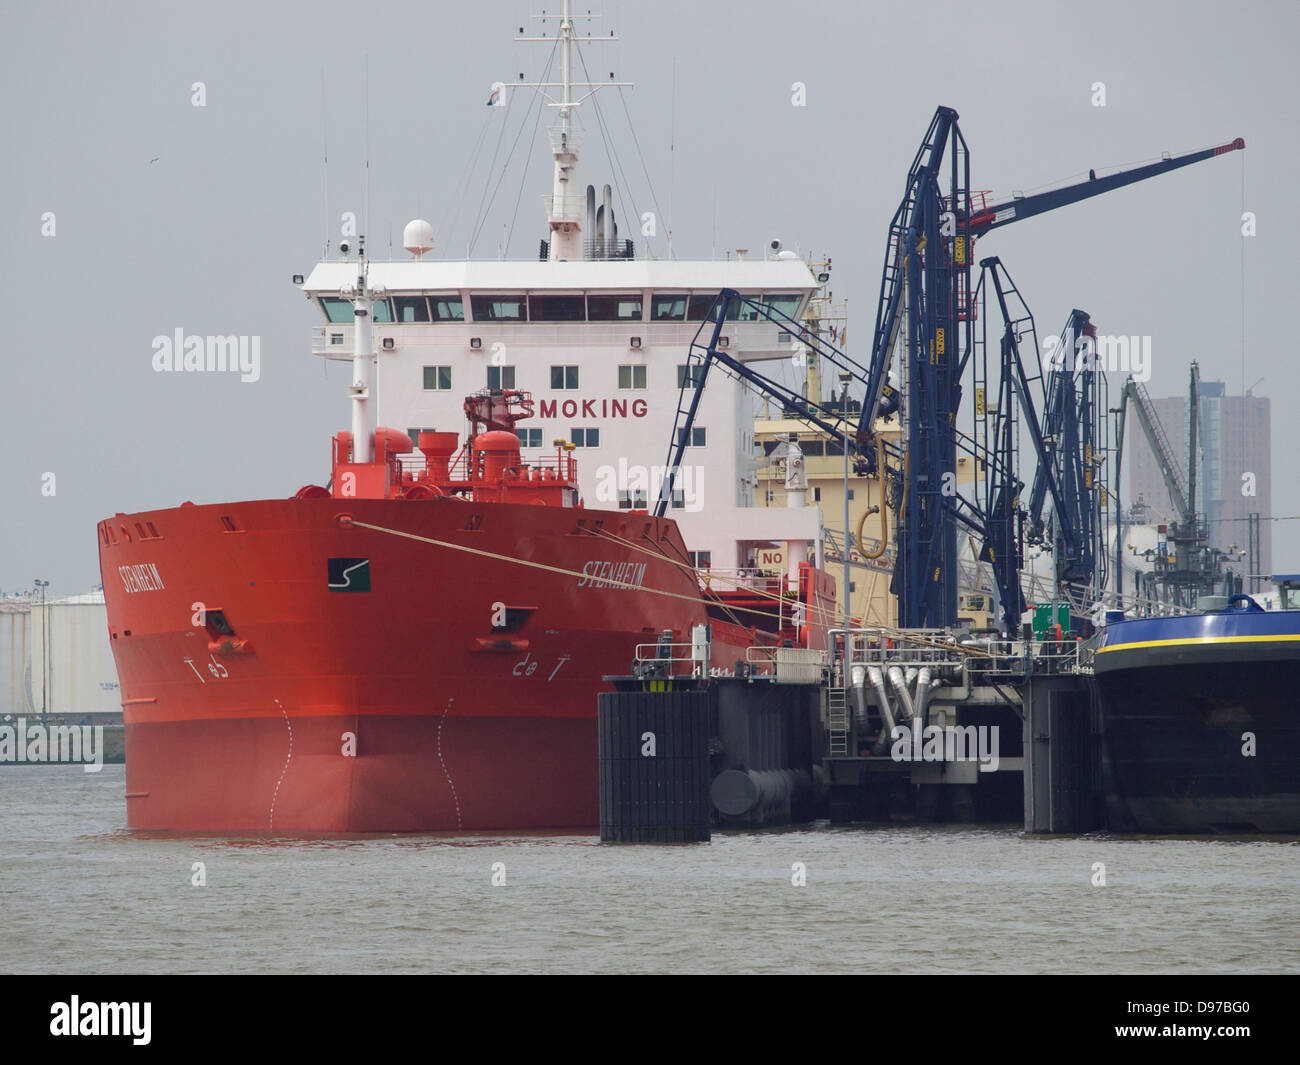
(662, 660)
(787, 665)
(940, 648)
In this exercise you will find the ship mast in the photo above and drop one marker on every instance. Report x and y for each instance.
(564, 208)
(363, 361)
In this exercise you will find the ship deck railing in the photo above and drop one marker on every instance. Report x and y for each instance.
(748, 579)
(940, 649)
(552, 470)
(663, 660)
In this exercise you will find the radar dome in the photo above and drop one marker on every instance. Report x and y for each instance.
(417, 237)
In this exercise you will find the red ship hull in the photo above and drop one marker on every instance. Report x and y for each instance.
(271, 683)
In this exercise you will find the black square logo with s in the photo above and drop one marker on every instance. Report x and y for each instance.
(349, 574)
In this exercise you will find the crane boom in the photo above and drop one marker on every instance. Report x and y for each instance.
(924, 198)
(1151, 428)
(1028, 206)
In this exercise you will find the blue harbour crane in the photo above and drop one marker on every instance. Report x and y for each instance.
(924, 322)
(925, 334)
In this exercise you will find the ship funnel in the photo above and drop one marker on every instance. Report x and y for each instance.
(591, 210)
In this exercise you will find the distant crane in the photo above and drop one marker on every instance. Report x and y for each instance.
(1185, 566)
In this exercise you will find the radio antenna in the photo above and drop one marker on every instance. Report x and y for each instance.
(325, 156)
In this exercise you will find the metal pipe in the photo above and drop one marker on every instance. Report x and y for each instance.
(899, 681)
(884, 518)
(886, 711)
(844, 539)
(859, 675)
(737, 792)
(923, 679)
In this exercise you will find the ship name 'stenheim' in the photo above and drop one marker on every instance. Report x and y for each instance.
(142, 578)
(598, 574)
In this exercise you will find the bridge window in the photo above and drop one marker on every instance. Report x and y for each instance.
(632, 500)
(437, 378)
(585, 437)
(614, 308)
(414, 434)
(785, 303)
(447, 308)
(529, 437)
(694, 372)
(411, 308)
(631, 377)
(341, 311)
(564, 377)
(553, 309)
(499, 308)
(696, 439)
(501, 377)
(701, 559)
(669, 307)
(337, 310)
(700, 306)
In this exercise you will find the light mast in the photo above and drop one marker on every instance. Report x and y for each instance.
(363, 361)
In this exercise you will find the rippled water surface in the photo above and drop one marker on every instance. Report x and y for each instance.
(82, 894)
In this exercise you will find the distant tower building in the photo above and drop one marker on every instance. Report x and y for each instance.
(1234, 441)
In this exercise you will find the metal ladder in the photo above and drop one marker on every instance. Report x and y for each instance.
(837, 721)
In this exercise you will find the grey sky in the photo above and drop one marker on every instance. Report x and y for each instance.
(206, 237)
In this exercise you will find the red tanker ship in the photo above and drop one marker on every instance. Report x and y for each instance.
(407, 650)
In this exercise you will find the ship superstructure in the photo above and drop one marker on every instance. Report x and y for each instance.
(598, 335)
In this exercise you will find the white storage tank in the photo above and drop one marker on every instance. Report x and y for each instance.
(15, 655)
(78, 675)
